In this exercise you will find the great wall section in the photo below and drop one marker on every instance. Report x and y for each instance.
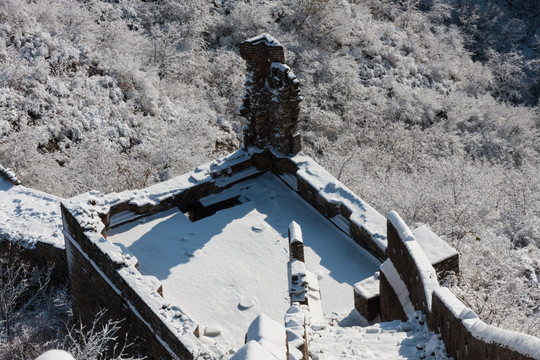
(102, 275)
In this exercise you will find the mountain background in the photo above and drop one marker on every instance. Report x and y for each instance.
(426, 107)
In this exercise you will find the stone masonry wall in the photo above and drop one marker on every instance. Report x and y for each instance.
(43, 255)
(271, 102)
(465, 336)
(463, 343)
(96, 285)
(406, 266)
(390, 308)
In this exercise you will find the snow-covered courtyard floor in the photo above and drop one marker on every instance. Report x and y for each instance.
(227, 268)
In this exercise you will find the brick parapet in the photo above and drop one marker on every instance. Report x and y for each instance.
(96, 284)
(465, 341)
(363, 238)
(407, 268)
(443, 267)
(465, 336)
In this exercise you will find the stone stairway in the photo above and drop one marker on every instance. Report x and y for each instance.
(381, 341)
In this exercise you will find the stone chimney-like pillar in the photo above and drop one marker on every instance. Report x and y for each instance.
(271, 102)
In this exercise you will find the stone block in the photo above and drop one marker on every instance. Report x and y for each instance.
(367, 297)
(390, 308)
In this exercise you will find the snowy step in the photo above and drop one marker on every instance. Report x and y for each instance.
(390, 340)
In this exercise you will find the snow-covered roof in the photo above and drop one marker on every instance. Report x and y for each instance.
(264, 38)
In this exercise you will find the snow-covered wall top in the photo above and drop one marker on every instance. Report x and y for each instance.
(295, 233)
(521, 343)
(9, 175)
(427, 274)
(29, 216)
(436, 249)
(398, 285)
(413, 279)
(219, 172)
(330, 189)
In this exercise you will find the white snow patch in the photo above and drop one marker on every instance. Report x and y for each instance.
(28, 216)
(55, 355)
(258, 227)
(398, 285)
(212, 331)
(247, 303)
(252, 351)
(269, 334)
(435, 248)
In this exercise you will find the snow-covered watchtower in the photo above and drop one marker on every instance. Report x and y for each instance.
(272, 97)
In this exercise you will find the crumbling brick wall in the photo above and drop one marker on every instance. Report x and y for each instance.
(271, 102)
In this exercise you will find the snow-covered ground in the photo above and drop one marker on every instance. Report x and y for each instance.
(227, 268)
(28, 215)
(382, 341)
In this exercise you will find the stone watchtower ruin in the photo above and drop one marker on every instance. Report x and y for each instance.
(106, 235)
(271, 102)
